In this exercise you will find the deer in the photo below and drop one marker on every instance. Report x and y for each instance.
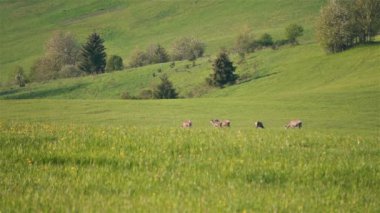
(187, 124)
(294, 124)
(259, 124)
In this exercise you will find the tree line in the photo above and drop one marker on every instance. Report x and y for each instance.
(64, 57)
(343, 24)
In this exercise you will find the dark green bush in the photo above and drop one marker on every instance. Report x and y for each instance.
(114, 63)
(265, 40)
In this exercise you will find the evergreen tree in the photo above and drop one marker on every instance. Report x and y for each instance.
(165, 90)
(93, 55)
(223, 71)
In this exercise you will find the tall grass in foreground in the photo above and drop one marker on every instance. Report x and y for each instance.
(49, 167)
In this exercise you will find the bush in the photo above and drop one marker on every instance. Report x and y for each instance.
(63, 48)
(293, 31)
(187, 48)
(146, 94)
(114, 62)
(265, 40)
(43, 69)
(69, 71)
(245, 43)
(156, 54)
(138, 59)
(126, 95)
(60, 50)
(19, 77)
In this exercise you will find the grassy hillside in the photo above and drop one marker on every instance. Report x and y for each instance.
(300, 70)
(125, 25)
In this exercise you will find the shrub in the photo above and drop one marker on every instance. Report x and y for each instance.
(114, 62)
(146, 94)
(245, 43)
(265, 40)
(156, 54)
(138, 59)
(69, 71)
(293, 31)
(19, 76)
(126, 95)
(44, 69)
(63, 48)
(60, 50)
(187, 48)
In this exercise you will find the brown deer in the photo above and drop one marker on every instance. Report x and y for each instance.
(294, 124)
(226, 123)
(216, 123)
(187, 124)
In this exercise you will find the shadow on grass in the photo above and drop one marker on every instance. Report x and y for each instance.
(248, 77)
(86, 161)
(24, 94)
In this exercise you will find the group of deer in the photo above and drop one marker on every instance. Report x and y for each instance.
(258, 124)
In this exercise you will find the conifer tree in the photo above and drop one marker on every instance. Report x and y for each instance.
(223, 71)
(165, 90)
(93, 55)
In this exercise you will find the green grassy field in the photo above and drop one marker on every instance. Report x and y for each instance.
(75, 145)
(85, 168)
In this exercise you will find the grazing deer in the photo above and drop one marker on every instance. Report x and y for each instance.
(259, 124)
(226, 123)
(216, 123)
(187, 124)
(294, 124)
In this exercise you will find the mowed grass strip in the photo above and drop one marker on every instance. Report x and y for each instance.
(56, 167)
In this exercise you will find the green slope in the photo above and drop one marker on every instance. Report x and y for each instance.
(339, 91)
(125, 25)
(289, 72)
